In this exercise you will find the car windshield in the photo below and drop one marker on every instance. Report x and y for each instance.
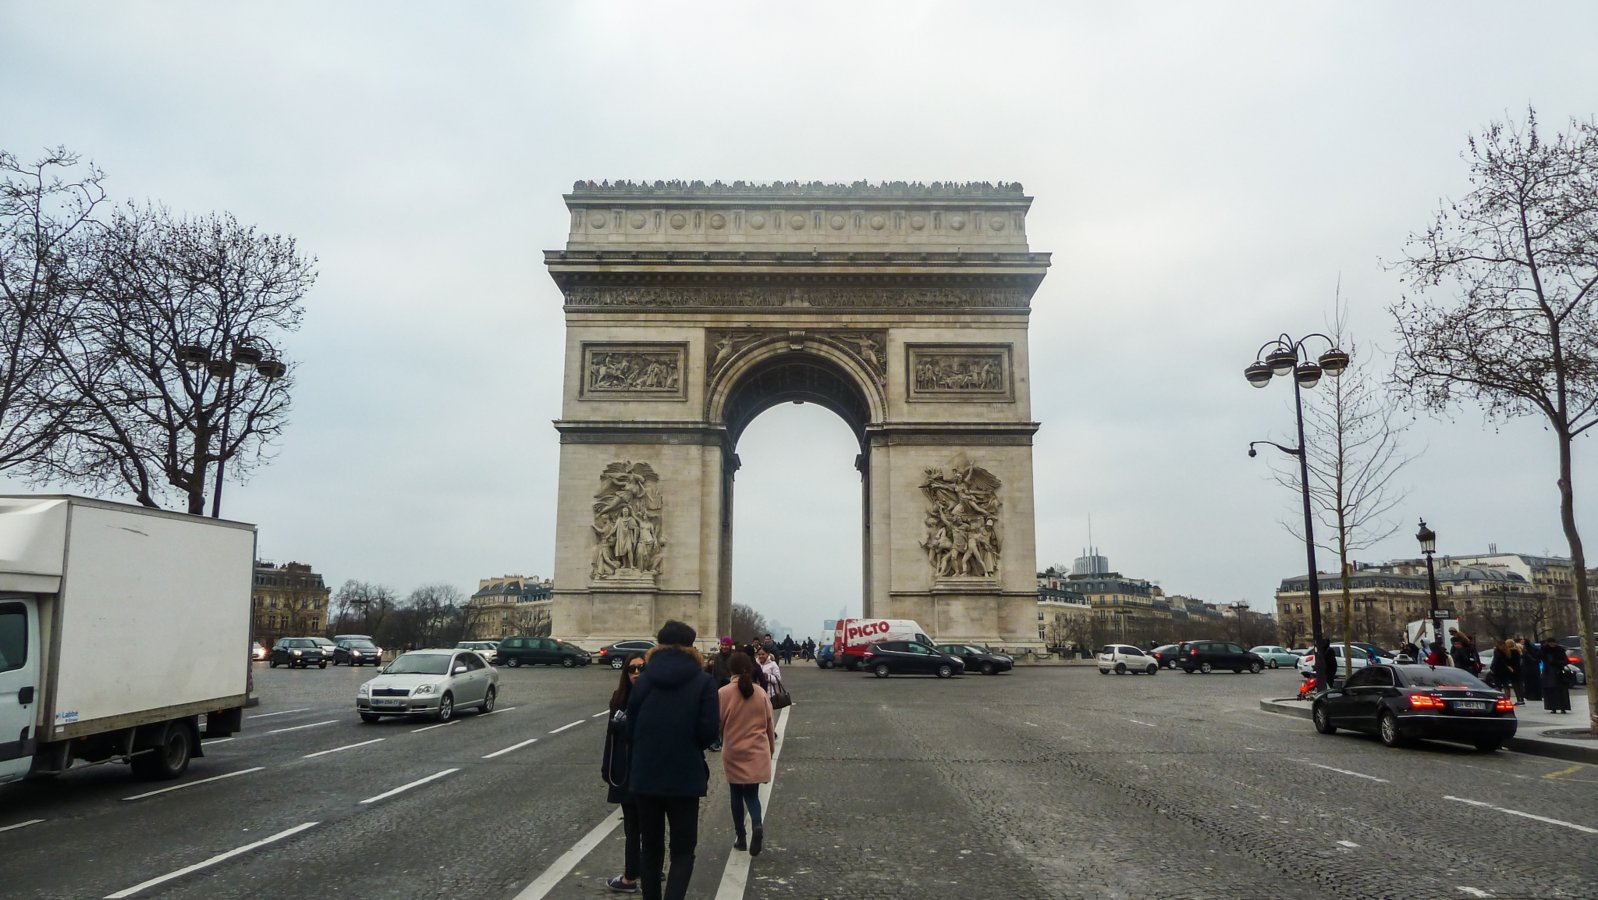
(419, 664)
(1442, 677)
(360, 645)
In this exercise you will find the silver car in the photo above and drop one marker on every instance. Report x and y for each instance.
(429, 682)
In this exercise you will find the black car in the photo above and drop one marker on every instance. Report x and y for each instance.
(1401, 702)
(978, 658)
(301, 652)
(1207, 656)
(540, 651)
(1167, 655)
(909, 658)
(356, 652)
(615, 655)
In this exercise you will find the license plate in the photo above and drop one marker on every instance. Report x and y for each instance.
(388, 702)
(1470, 704)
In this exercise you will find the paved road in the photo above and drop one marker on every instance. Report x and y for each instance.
(1042, 783)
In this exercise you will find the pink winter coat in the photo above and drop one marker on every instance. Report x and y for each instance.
(748, 735)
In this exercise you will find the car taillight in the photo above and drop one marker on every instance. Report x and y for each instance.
(1504, 704)
(1425, 701)
(1194, 651)
(867, 655)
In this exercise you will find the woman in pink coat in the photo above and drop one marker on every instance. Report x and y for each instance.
(748, 737)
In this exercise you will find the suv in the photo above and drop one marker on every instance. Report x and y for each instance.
(1124, 658)
(909, 658)
(1206, 656)
(302, 652)
(540, 651)
(357, 651)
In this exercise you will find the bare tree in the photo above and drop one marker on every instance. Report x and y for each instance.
(746, 624)
(1352, 442)
(362, 606)
(46, 212)
(436, 615)
(1515, 328)
(170, 363)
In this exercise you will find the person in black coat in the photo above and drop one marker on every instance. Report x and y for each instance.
(616, 767)
(1325, 664)
(1556, 691)
(1531, 670)
(673, 716)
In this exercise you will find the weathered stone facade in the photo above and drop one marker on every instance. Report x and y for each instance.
(691, 308)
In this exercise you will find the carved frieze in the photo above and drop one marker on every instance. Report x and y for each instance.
(801, 296)
(963, 539)
(979, 372)
(628, 537)
(644, 371)
(867, 347)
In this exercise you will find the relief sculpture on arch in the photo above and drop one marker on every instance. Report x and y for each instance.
(627, 524)
(963, 539)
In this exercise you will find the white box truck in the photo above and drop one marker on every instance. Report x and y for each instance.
(123, 634)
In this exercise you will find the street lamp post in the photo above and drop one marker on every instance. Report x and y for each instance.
(249, 352)
(1287, 356)
(1428, 546)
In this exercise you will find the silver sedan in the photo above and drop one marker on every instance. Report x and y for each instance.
(429, 682)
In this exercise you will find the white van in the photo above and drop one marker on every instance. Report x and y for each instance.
(853, 636)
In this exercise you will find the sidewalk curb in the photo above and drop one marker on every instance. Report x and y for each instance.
(1531, 746)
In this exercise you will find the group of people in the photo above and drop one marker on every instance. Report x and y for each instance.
(782, 651)
(671, 706)
(1532, 671)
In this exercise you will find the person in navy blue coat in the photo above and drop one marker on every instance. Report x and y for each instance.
(673, 716)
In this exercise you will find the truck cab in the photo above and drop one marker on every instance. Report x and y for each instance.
(19, 683)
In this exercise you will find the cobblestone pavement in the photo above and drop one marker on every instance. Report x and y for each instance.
(1047, 782)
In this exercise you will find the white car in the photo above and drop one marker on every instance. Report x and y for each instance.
(1362, 658)
(485, 649)
(429, 683)
(1124, 658)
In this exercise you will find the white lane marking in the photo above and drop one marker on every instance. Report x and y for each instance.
(1474, 892)
(298, 727)
(345, 747)
(603, 712)
(735, 878)
(510, 748)
(1344, 771)
(1525, 815)
(210, 741)
(21, 824)
(128, 892)
(1349, 844)
(431, 727)
(1029, 723)
(405, 787)
(1136, 722)
(279, 713)
(561, 867)
(500, 710)
(564, 727)
(179, 787)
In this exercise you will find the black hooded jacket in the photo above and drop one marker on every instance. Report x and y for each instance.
(673, 715)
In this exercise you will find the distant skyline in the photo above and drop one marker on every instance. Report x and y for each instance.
(1205, 176)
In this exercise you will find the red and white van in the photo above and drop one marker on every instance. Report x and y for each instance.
(853, 636)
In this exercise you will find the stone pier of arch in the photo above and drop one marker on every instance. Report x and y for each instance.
(691, 308)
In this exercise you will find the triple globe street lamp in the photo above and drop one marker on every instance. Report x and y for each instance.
(1286, 356)
(257, 357)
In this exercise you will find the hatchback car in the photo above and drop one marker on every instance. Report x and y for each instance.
(301, 652)
(978, 658)
(1207, 656)
(541, 651)
(909, 658)
(1166, 655)
(429, 682)
(615, 655)
(1124, 658)
(258, 651)
(1401, 702)
(485, 649)
(824, 655)
(1275, 657)
(357, 652)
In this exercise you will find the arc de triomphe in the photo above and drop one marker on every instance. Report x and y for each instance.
(691, 308)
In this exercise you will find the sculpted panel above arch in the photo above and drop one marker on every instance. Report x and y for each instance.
(868, 348)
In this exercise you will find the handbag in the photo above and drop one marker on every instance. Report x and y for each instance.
(780, 698)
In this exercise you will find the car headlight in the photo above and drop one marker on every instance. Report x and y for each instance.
(297, 653)
(355, 653)
(364, 690)
(425, 689)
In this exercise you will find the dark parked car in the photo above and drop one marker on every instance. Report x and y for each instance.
(909, 658)
(540, 651)
(824, 656)
(302, 652)
(1167, 655)
(356, 652)
(1206, 656)
(978, 658)
(614, 655)
(1401, 702)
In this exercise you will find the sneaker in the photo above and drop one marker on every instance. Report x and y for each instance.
(619, 884)
(756, 839)
(738, 843)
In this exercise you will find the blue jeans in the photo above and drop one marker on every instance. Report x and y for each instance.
(744, 796)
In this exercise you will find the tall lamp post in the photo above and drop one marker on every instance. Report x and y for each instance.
(1286, 356)
(1428, 546)
(253, 354)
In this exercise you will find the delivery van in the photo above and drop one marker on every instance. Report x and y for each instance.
(853, 636)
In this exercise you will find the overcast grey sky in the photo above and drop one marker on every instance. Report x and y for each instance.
(1203, 174)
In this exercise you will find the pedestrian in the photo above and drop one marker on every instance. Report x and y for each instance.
(1325, 664)
(1556, 689)
(749, 738)
(769, 675)
(672, 717)
(768, 644)
(616, 766)
(788, 646)
(1410, 650)
(1531, 670)
(1503, 667)
(1464, 655)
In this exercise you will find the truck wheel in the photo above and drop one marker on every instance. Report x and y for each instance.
(167, 761)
